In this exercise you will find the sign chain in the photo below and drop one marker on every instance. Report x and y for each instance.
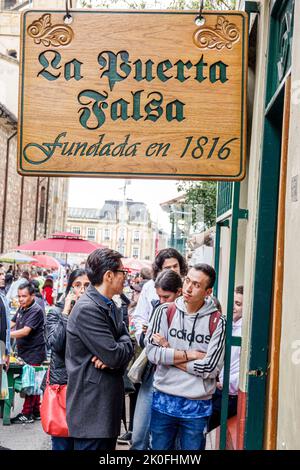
(68, 16)
(200, 20)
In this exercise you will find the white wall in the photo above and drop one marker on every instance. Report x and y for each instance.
(253, 186)
(9, 31)
(9, 79)
(224, 267)
(53, 4)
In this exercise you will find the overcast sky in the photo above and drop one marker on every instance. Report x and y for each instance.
(92, 192)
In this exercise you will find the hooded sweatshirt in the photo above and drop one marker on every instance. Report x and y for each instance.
(187, 331)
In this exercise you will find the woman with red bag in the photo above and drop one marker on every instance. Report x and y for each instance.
(56, 327)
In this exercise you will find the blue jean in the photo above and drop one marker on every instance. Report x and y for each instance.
(142, 416)
(62, 443)
(107, 444)
(164, 430)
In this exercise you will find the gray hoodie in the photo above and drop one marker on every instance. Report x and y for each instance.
(187, 331)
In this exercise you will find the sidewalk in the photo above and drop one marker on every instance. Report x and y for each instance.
(29, 436)
(23, 436)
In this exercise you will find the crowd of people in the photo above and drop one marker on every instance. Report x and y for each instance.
(94, 330)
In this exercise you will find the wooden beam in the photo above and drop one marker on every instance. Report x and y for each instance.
(275, 338)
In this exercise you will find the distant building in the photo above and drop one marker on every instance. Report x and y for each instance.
(126, 228)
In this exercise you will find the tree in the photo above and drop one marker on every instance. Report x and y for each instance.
(201, 194)
(171, 4)
(208, 4)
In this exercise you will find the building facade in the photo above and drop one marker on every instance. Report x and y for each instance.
(34, 207)
(258, 234)
(125, 227)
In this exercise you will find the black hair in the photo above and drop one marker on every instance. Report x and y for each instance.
(101, 261)
(146, 273)
(74, 275)
(239, 290)
(169, 281)
(168, 253)
(27, 285)
(48, 283)
(36, 286)
(25, 274)
(8, 278)
(209, 271)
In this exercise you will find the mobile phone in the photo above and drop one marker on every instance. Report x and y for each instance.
(72, 301)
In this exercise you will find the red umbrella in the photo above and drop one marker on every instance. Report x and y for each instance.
(135, 264)
(63, 242)
(45, 261)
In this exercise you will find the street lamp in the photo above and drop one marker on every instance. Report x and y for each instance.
(181, 239)
(181, 219)
(122, 228)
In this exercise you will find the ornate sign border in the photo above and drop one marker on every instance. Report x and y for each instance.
(217, 177)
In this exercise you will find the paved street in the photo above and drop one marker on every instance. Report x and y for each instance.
(23, 436)
(28, 436)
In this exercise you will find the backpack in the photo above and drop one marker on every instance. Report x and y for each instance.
(213, 320)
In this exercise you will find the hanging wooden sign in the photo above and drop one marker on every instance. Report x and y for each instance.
(133, 94)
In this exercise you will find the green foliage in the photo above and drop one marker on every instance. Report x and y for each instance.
(203, 193)
(208, 4)
(160, 4)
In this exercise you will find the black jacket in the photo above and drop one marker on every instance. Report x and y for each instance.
(95, 396)
(56, 331)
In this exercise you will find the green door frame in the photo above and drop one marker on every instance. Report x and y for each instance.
(228, 215)
(279, 50)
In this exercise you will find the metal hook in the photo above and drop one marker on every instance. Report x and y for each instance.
(200, 20)
(68, 16)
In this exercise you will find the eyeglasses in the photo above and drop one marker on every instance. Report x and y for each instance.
(125, 273)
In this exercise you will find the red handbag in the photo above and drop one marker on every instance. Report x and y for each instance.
(53, 410)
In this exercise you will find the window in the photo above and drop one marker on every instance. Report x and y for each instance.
(136, 236)
(8, 4)
(13, 4)
(135, 252)
(122, 235)
(107, 215)
(91, 233)
(12, 53)
(106, 234)
(42, 208)
(76, 230)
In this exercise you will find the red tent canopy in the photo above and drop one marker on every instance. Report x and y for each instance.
(64, 242)
(45, 261)
(134, 264)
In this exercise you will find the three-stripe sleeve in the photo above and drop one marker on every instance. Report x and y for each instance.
(159, 324)
(211, 365)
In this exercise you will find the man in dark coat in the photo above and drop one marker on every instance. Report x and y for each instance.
(97, 353)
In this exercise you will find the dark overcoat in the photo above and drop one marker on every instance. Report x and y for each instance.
(95, 396)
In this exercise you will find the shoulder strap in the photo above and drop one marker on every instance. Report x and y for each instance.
(213, 322)
(48, 376)
(171, 312)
